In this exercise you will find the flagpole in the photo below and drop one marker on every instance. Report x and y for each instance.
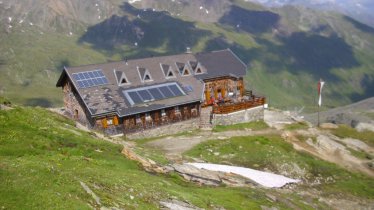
(320, 86)
(318, 117)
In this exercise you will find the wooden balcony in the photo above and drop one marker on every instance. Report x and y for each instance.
(230, 107)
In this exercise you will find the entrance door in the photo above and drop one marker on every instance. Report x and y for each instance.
(76, 114)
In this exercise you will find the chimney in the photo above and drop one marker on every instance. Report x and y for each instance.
(188, 50)
(125, 61)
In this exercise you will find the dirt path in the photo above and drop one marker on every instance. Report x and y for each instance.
(174, 147)
(328, 147)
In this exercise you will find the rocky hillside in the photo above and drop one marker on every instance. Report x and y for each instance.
(287, 49)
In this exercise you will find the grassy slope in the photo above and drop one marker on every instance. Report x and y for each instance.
(43, 158)
(241, 126)
(271, 152)
(345, 131)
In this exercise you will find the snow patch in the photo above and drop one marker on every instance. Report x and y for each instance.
(265, 179)
(133, 1)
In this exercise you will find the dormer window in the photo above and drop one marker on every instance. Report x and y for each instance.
(121, 78)
(124, 81)
(183, 68)
(196, 67)
(168, 71)
(147, 77)
(144, 74)
(186, 72)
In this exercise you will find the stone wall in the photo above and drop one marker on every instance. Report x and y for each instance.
(248, 115)
(73, 104)
(170, 129)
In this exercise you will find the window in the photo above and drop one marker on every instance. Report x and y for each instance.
(121, 78)
(123, 81)
(186, 72)
(198, 71)
(144, 75)
(147, 116)
(167, 70)
(163, 113)
(147, 77)
(138, 119)
(177, 109)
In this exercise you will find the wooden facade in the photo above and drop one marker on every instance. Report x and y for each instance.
(161, 117)
(113, 125)
(234, 107)
(223, 89)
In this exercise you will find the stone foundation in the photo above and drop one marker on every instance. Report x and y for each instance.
(248, 115)
(170, 129)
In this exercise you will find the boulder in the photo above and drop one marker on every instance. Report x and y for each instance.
(176, 204)
(200, 176)
(357, 145)
(365, 126)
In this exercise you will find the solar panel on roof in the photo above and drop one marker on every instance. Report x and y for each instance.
(80, 84)
(104, 80)
(144, 94)
(135, 97)
(86, 75)
(75, 76)
(85, 83)
(100, 81)
(91, 74)
(90, 79)
(166, 91)
(155, 92)
(90, 83)
(188, 88)
(175, 90)
(96, 74)
(100, 73)
(157, 95)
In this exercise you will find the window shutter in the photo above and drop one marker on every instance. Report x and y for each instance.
(115, 120)
(104, 122)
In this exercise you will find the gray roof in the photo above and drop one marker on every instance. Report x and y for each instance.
(221, 63)
(109, 98)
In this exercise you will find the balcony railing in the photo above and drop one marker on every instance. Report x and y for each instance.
(165, 120)
(229, 107)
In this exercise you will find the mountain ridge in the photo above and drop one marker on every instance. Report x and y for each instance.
(287, 49)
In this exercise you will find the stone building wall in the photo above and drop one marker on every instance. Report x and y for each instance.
(169, 129)
(248, 115)
(74, 105)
